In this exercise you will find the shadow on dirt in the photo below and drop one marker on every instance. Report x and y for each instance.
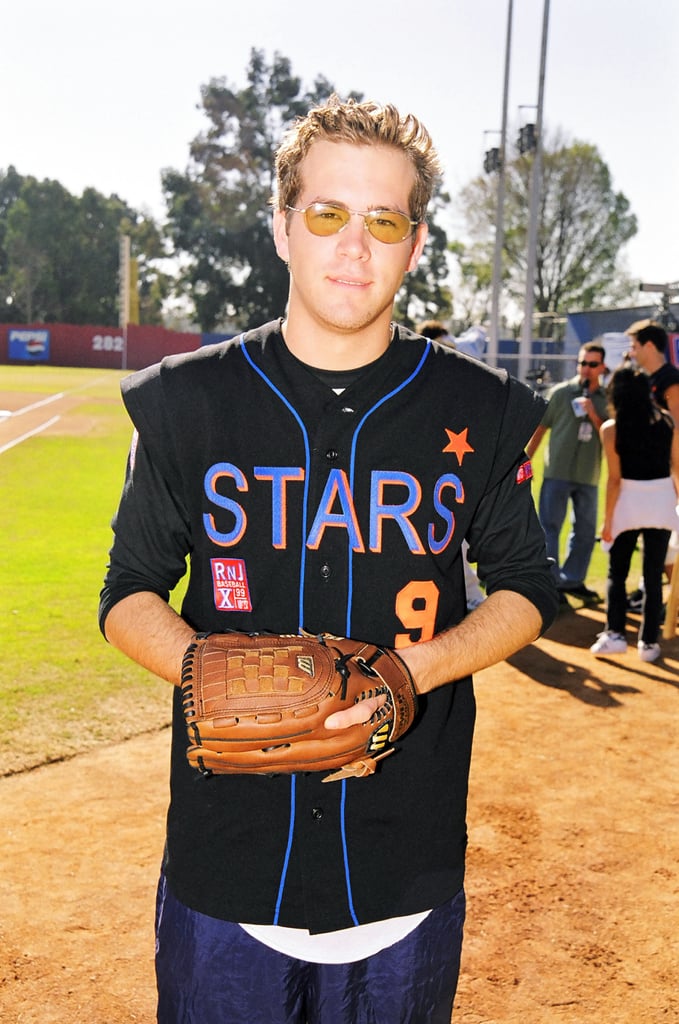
(600, 682)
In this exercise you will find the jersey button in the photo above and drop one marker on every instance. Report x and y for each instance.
(326, 572)
(317, 813)
(331, 455)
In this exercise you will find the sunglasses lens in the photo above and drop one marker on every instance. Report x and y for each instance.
(324, 219)
(384, 225)
(388, 226)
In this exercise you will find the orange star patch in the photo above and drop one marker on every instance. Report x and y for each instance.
(458, 444)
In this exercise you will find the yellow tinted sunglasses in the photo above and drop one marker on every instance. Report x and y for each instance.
(330, 218)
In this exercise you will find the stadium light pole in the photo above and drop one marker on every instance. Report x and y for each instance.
(535, 190)
(499, 215)
(670, 293)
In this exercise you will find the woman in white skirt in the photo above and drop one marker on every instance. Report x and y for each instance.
(641, 447)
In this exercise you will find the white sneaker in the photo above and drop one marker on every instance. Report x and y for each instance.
(648, 652)
(609, 643)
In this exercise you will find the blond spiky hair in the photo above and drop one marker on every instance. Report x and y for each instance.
(360, 124)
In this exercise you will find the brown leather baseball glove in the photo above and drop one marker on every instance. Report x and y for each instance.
(257, 703)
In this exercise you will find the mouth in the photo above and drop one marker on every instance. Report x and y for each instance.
(349, 282)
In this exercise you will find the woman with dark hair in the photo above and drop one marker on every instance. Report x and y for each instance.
(641, 447)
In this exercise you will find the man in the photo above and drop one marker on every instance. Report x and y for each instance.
(648, 349)
(321, 472)
(575, 411)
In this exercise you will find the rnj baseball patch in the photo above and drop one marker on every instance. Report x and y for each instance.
(524, 472)
(230, 585)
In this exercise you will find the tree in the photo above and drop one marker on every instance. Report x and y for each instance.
(219, 209)
(425, 293)
(474, 291)
(41, 214)
(583, 224)
(59, 253)
(10, 187)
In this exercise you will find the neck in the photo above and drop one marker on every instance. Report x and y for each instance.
(655, 361)
(326, 348)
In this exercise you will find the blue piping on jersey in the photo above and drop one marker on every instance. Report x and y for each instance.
(345, 853)
(288, 849)
(352, 470)
(307, 473)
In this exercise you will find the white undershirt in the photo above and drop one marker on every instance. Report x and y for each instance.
(342, 947)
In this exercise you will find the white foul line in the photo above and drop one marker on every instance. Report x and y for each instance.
(29, 433)
(36, 405)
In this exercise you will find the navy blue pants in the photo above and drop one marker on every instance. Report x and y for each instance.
(212, 972)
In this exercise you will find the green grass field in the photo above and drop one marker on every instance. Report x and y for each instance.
(59, 491)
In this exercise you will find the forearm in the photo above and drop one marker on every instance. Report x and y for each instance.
(534, 442)
(612, 494)
(595, 419)
(503, 624)
(145, 628)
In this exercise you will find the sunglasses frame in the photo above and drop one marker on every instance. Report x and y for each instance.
(592, 366)
(369, 218)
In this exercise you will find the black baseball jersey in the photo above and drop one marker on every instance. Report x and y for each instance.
(661, 380)
(300, 508)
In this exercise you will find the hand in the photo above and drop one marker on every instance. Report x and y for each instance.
(356, 714)
(237, 722)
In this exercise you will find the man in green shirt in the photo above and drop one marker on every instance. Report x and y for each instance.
(575, 411)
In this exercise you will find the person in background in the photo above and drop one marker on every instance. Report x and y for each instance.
(641, 447)
(437, 331)
(473, 342)
(575, 411)
(648, 349)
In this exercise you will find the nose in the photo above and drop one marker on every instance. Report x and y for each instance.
(354, 239)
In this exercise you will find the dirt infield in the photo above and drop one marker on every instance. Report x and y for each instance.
(25, 414)
(572, 881)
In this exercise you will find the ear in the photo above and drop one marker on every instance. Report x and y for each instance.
(280, 234)
(420, 237)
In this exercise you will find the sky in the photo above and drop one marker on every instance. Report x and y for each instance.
(110, 96)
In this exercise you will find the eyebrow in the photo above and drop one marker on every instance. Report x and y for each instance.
(392, 207)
